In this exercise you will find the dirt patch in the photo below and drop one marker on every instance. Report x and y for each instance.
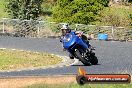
(26, 81)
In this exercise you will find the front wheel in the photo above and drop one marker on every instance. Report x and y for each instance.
(81, 58)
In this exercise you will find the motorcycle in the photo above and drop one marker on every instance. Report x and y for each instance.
(77, 48)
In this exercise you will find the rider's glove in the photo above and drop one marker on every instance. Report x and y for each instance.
(79, 32)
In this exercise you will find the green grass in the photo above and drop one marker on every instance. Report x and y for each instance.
(14, 59)
(74, 85)
(3, 13)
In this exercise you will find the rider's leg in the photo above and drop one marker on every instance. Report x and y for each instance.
(85, 39)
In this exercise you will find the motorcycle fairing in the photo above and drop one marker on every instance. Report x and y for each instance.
(74, 42)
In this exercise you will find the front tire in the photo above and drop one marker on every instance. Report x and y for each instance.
(82, 59)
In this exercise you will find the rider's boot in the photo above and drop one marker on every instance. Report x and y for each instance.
(71, 56)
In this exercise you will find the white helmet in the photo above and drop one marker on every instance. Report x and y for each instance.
(65, 29)
(65, 26)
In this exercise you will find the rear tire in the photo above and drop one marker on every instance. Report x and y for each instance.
(94, 60)
(82, 59)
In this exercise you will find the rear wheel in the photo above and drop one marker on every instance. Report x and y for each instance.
(94, 60)
(81, 58)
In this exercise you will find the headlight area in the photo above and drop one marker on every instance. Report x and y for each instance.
(67, 38)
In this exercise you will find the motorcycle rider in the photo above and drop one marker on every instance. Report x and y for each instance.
(66, 29)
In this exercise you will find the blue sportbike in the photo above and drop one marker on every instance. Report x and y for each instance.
(79, 49)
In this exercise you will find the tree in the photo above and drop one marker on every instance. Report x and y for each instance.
(24, 9)
(78, 11)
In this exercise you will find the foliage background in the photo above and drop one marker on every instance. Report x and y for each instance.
(80, 11)
(24, 9)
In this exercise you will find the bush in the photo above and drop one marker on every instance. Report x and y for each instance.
(78, 11)
(116, 16)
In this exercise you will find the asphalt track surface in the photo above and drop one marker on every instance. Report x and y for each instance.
(113, 56)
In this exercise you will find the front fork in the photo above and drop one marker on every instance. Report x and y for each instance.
(85, 54)
(88, 54)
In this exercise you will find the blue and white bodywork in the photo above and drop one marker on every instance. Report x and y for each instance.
(78, 48)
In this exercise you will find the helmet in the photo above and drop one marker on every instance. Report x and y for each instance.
(65, 29)
(65, 26)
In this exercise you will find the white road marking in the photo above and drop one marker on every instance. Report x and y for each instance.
(2, 48)
(13, 49)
